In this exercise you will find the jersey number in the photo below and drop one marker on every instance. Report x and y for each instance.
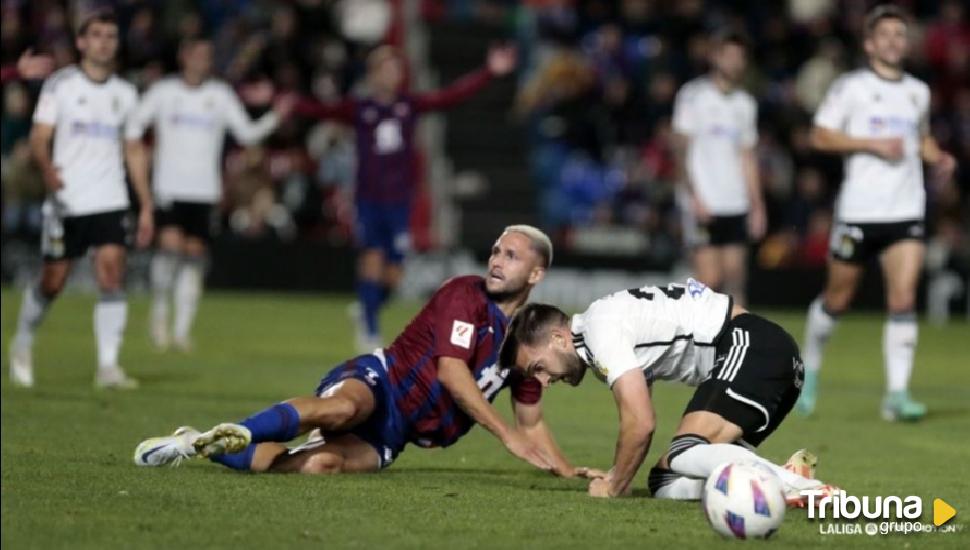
(672, 292)
(491, 379)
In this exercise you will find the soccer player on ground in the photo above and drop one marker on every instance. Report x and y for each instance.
(715, 122)
(746, 370)
(877, 118)
(83, 109)
(433, 383)
(385, 123)
(190, 113)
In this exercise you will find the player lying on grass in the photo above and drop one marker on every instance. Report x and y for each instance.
(746, 369)
(433, 383)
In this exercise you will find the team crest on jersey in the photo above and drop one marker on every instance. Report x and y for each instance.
(461, 334)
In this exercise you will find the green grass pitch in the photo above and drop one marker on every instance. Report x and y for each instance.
(68, 478)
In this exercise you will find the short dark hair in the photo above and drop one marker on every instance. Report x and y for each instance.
(884, 11)
(731, 37)
(529, 326)
(103, 15)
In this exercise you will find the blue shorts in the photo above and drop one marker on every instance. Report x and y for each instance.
(385, 227)
(384, 429)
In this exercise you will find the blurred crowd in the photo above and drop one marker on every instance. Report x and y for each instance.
(600, 80)
(597, 84)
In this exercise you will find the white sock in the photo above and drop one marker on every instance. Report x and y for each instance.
(188, 290)
(682, 488)
(163, 268)
(899, 337)
(32, 310)
(699, 461)
(818, 328)
(110, 317)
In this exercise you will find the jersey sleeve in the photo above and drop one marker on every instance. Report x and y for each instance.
(459, 91)
(47, 107)
(454, 321)
(683, 122)
(142, 114)
(525, 390)
(244, 129)
(611, 346)
(835, 107)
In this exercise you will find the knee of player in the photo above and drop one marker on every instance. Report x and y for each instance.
(323, 464)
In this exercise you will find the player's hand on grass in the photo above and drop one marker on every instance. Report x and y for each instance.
(600, 488)
(34, 67)
(146, 228)
(944, 168)
(589, 473)
(520, 446)
(502, 60)
(890, 149)
(52, 179)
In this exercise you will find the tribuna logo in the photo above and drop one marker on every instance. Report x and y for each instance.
(843, 506)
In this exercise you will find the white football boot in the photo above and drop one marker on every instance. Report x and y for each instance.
(114, 378)
(170, 449)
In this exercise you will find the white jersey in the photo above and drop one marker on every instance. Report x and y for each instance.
(667, 332)
(190, 126)
(88, 119)
(718, 127)
(862, 104)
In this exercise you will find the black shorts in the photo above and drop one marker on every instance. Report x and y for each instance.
(195, 219)
(756, 380)
(70, 237)
(719, 231)
(858, 242)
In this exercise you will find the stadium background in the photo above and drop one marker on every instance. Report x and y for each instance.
(578, 142)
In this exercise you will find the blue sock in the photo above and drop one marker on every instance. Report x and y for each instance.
(369, 294)
(238, 461)
(279, 423)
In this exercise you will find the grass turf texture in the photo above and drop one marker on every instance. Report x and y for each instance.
(68, 477)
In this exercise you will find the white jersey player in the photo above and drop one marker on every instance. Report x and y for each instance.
(190, 113)
(83, 110)
(877, 118)
(746, 370)
(715, 123)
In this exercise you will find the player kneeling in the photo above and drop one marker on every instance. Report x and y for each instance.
(746, 369)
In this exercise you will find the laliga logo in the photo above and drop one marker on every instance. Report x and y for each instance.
(843, 506)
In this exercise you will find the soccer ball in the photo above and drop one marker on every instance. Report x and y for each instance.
(744, 500)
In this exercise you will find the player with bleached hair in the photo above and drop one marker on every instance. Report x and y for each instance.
(877, 117)
(190, 113)
(746, 370)
(429, 387)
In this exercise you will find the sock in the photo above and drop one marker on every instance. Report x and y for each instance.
(32, 310)
(279, 423)
(899, 337)
(671, 485)
(369, 294)
(384, 296)
(818, 328)
(700, 460)
(163, 277)
(188, 290)
(237, 461)
(110, 317)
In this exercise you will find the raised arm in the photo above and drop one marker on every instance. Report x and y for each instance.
(246, 130)
(341, 111)
(500, 61)
(456, 377)
(637, 421)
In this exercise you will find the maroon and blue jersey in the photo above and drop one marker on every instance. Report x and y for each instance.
(459, 321)
(386, 152)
